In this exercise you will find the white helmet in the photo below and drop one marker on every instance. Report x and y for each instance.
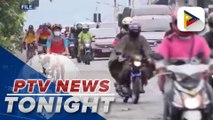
(85, 26)
(127, 21)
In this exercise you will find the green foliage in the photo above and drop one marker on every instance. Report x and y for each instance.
(11, 24)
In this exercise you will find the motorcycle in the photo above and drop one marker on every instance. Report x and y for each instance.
(136, 62)
(72, 49)
(191, 99)
(86, 53)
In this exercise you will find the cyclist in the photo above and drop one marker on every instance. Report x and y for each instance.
(29, 42)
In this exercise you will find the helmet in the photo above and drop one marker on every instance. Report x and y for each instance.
(85, 26)
(56, 26)
(45, 25)
(210, 20)
(31, 27)
(48, 25)
(72, 29)
(127, 21)
(67, 28)
(40, 26)
(79, 26)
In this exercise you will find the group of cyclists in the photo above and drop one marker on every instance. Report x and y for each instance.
(50, 39)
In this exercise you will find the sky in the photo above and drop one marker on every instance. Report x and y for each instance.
(68, 12)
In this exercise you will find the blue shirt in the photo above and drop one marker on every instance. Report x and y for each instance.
(66, 42)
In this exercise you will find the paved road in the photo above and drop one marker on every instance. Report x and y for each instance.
(148, 108)
(150, 104)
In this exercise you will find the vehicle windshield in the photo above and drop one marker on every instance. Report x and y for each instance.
(103, 33)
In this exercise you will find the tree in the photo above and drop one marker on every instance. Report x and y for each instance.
(11, 24)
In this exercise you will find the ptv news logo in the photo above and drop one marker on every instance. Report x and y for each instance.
(191, 19)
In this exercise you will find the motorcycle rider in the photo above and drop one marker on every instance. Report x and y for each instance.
(82, 37)
(67, 32)
(72, 33)
(209, 35)
(131, 43)
(29, 39)
(124, 29)
(77, 31)
(43, 34)
(190, 46)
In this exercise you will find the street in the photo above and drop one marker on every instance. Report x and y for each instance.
(150, 106)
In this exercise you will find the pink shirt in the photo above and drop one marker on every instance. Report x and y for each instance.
(176, 49)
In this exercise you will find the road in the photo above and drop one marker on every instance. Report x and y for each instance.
(149, 107)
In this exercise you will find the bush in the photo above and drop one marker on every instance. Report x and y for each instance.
(11, 24)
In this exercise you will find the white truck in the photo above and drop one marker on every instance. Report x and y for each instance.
(154, 20)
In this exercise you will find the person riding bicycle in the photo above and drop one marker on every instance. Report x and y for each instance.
(43, 34)
(84, 36)
(57, 43)
(37, 31)
(29, 41)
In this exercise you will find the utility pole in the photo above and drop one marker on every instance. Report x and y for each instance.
(130, 4)
(149, 2)
(133, 4)
(115, 9)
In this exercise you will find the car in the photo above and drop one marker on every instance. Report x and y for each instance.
(104, 38)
